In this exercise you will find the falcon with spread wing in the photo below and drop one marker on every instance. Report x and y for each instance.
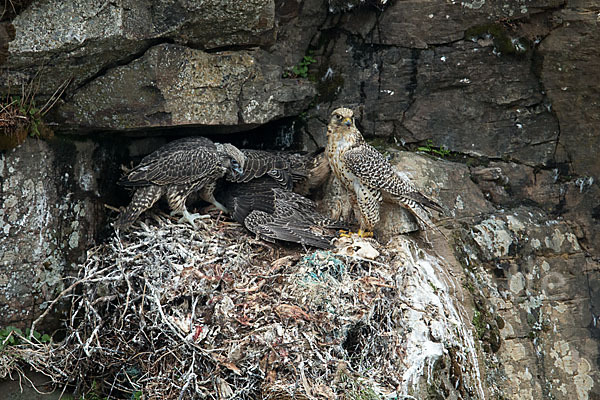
(175, 171)
(368, 177)
(261, 198)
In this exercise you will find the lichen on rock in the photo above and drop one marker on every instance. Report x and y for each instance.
(172, 85)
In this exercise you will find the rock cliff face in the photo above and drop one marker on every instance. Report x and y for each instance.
(506, 92)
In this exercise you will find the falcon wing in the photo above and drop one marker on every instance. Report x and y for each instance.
(371, 167)
(273, 213)
(181, 163)
(283, 168)
(270, 228)
(292, 206)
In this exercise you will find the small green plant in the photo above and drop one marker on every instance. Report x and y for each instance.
(20, 116)
(301, 69)
(469, 286)
(13, 336)
(136, 395)
(33, 115)
(479, 324)
(441, 151)
(356, 388)
(362, 394)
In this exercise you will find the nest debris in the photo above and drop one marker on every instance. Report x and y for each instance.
(169, 312)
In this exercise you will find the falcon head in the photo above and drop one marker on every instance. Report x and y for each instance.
(342, 117)
(231, 157)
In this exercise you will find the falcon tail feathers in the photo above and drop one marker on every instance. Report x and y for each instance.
(266, 227)
(424, 201)
(143, 199)
(421, 214)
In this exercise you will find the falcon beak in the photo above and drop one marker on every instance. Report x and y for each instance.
(347, 121)
(237, 168)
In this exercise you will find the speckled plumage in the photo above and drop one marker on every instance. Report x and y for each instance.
(176, 170)
(261, 199)
(284, 168)
(367, 176)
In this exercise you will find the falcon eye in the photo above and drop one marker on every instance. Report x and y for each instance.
(338, 116)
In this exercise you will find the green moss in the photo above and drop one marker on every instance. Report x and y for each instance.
(355, 388)
(362, 394)
(479, 324)
(469, 286)
(487, 325)
(487, 330)
(503, 41)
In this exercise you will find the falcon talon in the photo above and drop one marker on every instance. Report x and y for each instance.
(344, 233)
(190, 218)
(364, 234)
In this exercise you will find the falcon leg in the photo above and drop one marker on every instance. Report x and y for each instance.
(176, 197)
(207, 194)
(220, 206)
(368, 204)
(188, 217)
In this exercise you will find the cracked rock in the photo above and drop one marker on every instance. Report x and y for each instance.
(175, 85)
(59, 39)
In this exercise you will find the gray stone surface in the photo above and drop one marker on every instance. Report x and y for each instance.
(535, 292)
(571, 76)
(7, 34)
(417, 25)
(49, 213)
(79, 39)
(172, 85)
(442, 94)
(482, 115)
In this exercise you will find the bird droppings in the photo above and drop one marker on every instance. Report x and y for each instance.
(187, 308)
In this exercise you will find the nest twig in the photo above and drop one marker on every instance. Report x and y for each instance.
(174, 313)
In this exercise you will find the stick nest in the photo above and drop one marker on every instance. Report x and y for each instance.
(168, 312)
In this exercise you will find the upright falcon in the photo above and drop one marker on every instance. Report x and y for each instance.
(176, 170)
(368, 177)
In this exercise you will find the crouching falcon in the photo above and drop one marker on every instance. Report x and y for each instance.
(261, 198)
(176, 170)
(368, 177)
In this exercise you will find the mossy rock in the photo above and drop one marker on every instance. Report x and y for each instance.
(503, 41)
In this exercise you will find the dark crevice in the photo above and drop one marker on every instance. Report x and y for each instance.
(250, 47)
(123, 61)
(411, 88)
(537, 61)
